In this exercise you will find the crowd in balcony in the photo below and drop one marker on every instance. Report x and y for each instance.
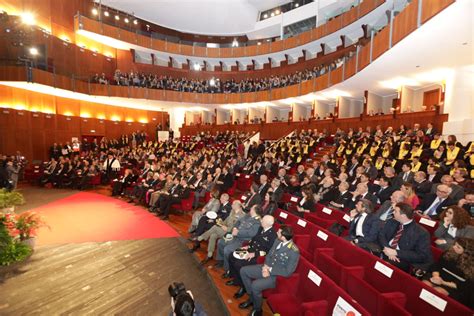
(215, 85)
(381, 179)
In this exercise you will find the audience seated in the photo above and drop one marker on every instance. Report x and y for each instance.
(215, 85)
(382, 167)
(453, 274)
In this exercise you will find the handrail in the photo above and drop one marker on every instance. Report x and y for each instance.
(335, 24)
(277, 130)
(402, 25)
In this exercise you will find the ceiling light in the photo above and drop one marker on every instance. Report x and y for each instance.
(196, 67)
(106, 13)
(277, 12)
(273, 14)
(259, 43)
(28, 18)
(297, 5)
(117, 17)
(265, 16)
(235, 43)
(126, 20)
(94, 11)
(135, 22)
(34, 51)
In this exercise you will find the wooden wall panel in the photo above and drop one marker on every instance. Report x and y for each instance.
(349, 17)
(405, 22)
(364, 57)
(336, 76)
(429, 8)
(199, 51)
(322, 82)
(381, 42)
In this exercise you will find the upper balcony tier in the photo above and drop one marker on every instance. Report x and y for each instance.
(84, 24)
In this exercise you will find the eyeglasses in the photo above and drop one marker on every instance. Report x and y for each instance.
(445, 192)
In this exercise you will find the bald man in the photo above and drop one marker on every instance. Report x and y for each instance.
(258, 246)
(385, 212)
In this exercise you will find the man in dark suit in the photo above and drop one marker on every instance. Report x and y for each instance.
(264, 186)
(364, 227)
(177, 194)
(383, 190)
(370, 169)
(251, 199)
(403, 242)
(421, 186)
(434, 203)
(281, 260)
(385, 211)
(225, 181)
(457, 191)
(434, 175)
(406, 174)
(352, 168)
(277, 190)
(342, 198)
(361, 192)
(258, 246)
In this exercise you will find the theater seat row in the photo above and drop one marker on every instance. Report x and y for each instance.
(372, 284)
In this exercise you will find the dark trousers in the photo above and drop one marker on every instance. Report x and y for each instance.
(236, 264)
(165, 203)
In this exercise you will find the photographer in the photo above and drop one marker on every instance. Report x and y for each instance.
(182, 302)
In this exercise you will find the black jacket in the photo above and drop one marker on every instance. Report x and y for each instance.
(262, 241)
(414, 244)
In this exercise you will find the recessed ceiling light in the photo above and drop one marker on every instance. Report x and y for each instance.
(265, 16)
(94, 11)
(297, 5)
(126, 20)
(117, 17)
(135, 22)
(106, 13)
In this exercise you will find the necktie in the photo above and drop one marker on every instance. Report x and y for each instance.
(432, 210)
(405, 177)
(279, 246)
(389, 213)
(396, 239)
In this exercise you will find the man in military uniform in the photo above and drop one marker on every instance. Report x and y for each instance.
(282, 260)
(258, 246)
(243, 230)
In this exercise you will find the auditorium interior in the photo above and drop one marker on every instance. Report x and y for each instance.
(244, 157)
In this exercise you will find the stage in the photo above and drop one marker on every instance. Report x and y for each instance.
(101, 256)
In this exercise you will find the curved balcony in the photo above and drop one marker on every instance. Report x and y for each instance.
(416, 13)
(334, 25)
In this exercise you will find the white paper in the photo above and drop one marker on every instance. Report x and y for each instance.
(301, 222)
(385, 270)
(322, 235)
(427, 222)
(347, 218)
(327, 210)
(246, 177)
(244, 197)
(294, 199)
(237, 174)
(433, 300)
(283, 215)
(343, 308)
(376, 182)
(314, 277)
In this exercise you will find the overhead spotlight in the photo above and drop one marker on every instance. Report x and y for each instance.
(273, 14)
(212, 82)
(259, 43)
(265, 16)
(7, 30)
(147, 27)
(196, 67)
(297, 5)
(277, 12)
(117, 17)
(135, 22)
(235, 43)
(95, 11)
(126, 20)
(28, 18)
(34, 51)
(106, 13)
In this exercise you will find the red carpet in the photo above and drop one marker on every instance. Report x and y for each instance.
(90, 217)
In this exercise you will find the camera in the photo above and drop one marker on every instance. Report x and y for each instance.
(176, 289)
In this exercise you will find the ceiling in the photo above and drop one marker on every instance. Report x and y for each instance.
(210, 17)
(441, 45)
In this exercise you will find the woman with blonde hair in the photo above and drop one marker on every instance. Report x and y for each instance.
(410, 195)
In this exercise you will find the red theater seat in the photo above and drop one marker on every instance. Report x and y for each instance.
(315, 294)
